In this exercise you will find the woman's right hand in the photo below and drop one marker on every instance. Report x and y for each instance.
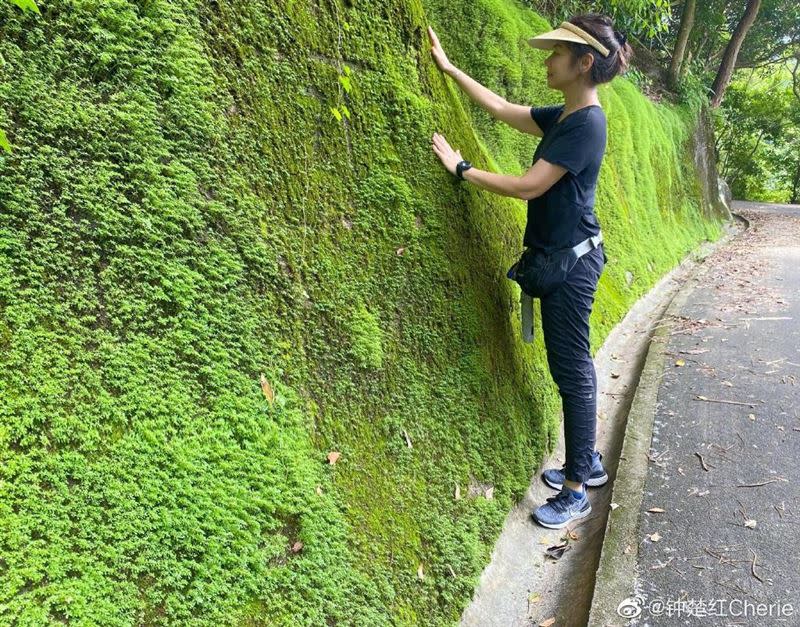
(438, 54)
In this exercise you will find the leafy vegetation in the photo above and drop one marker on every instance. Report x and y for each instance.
(759, 138)
(646, 18)
(25, 5)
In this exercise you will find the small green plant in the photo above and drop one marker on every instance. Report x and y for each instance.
(346, 83)
(26, 5)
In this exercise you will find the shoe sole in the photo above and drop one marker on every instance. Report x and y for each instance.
(596, 482)
(577, 516)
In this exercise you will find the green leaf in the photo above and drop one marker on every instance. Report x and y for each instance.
(346, 111)
(345, 83)
(4, 143)
(26, 5)
(336, 113)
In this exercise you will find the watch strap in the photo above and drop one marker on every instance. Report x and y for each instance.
(461, 166)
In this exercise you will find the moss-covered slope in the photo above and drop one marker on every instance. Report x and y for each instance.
(200, 193)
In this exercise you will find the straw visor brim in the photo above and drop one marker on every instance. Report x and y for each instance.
(546, 41)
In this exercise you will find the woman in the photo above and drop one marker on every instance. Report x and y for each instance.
(560, 190)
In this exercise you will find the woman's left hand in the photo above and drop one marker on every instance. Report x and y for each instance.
(449, 157)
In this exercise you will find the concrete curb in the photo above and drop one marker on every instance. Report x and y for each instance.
(615, 579)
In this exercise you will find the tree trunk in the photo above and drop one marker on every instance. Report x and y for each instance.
(796, 186)
(732, 51)
(687, 21)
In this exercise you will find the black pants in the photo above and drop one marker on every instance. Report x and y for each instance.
(565, 324)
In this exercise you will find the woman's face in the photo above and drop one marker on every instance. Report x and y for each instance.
(562, 69)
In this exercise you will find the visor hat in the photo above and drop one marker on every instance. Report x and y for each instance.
(567, 32)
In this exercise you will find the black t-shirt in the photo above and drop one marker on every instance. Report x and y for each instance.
(564, 215)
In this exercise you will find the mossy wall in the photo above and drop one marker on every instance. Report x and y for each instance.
(200, 193)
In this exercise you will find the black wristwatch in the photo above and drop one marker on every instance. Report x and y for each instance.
(462, 165)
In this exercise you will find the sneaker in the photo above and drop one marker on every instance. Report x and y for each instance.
(554, 477)
(561, 509)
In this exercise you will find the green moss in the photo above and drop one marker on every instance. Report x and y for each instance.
(367, 338)
(182, 212)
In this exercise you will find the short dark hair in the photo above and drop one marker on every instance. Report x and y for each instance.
(601, 27)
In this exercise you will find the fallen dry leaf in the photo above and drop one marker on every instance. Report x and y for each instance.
(489, 494)
(654, 537)
(319, 490)
(547, 623)
(680, 362)
(297, 546)
(656, 510)
(400, 251)
(333, 457)
(408, 439)
(556, 551)
(420, 572)
(457, 494)
(614, 506)
(751, 416)
(750, 523)
(267, 390)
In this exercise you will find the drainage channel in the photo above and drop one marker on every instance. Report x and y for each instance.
(520, 587)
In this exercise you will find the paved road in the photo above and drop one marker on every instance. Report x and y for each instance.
(725, 451)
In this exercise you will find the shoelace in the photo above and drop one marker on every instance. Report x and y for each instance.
(559, 501)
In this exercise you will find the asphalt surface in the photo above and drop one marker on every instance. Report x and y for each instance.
(715, 540)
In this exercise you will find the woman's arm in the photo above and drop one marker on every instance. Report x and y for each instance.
(516, 116)
(535, 182)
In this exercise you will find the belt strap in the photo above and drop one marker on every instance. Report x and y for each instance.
(588, 244)
(526, 301)
(527, 317)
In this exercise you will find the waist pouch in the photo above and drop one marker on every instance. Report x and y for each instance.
(540, 274)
